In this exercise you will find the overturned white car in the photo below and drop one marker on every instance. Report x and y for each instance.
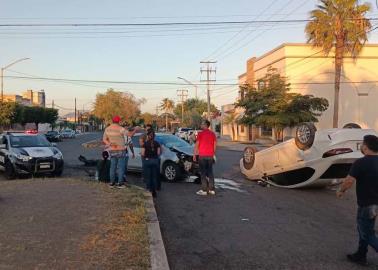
(312, 158)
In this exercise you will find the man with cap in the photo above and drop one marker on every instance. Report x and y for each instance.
(114, 139)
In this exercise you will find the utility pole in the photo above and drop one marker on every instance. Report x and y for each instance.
(209, 69)
(182, 94)
(75, 114)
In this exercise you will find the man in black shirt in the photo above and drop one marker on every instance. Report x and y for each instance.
(365, 173)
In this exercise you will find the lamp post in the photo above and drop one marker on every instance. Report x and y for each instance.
(189, 82)
(2, 75)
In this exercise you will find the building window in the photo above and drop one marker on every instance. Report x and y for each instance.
(242, 128)
(260, 85)
(266, 132)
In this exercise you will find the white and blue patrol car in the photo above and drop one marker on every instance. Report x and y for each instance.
(28, 154)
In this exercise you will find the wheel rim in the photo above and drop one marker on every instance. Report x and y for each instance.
(170, 172)
(303, 134)
(248, 154)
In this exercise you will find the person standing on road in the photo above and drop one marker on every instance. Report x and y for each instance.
(365, 173)
(150, 152)
(129, 145)
(114, 139)
(205, 148)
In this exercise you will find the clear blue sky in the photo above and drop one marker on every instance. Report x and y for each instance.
(152, 55)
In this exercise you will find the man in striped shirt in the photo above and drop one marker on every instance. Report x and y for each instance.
(114, 139)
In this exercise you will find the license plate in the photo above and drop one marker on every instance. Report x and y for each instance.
(44, 166)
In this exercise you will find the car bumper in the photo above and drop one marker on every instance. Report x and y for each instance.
(39, 165)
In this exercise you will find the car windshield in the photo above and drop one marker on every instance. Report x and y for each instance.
(171, 141)
(52, 132)
(29, 141)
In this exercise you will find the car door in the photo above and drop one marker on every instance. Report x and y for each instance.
(135, 164)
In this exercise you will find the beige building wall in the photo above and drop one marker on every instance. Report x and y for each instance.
(311, 72)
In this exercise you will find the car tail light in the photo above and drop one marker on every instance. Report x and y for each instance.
(337, 151)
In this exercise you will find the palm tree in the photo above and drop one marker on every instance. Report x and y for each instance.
(167, 105)
(340, 25)
(230, 119)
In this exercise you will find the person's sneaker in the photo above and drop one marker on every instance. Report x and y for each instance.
(358, 259)
(201, 192)
(121, 186)
(112, 185)
(211, 192)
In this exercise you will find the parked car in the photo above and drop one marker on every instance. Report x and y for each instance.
(176, 158)
(53, 136)
(183, 133)
(25, 154)
(68, 133)
(312, 158)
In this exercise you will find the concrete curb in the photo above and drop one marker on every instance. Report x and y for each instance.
(158, 255)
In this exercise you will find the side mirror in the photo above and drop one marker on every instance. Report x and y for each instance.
(3, 146)
(53, 144)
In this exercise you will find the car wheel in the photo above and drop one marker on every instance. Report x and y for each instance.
(249, 157)
(352, 125)
(58, 173)
(10, 173)
(305, 135)
(171, 171)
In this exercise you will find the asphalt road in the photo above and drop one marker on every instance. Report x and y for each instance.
(246, 226)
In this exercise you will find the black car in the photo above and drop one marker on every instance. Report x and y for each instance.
(29, 154)
(53, 136)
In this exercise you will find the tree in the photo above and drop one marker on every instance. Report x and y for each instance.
(275, 107)
(117, 103)
(230, 119)
(340, 25)
(7, 113)
(50, 116)
(195, 104)
(34, 115)
(148, 118)
(167, 105)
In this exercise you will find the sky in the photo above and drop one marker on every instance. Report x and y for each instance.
(140, 54)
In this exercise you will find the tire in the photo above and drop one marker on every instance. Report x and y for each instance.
(58, 173)
(249, 157)
(171, 172)
(305, 135)
(352, 125)
(10, 173)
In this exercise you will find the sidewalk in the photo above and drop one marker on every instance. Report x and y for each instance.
(227, 144)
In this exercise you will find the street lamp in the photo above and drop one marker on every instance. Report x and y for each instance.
(189, 82)
(2, 75)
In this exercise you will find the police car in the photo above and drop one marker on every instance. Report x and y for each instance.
(28, 154)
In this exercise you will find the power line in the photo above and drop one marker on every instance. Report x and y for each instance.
(161, 24)
(165, 83)
(256, 36)
(241, 30)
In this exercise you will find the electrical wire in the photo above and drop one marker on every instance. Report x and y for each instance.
(239, 32)
(161, 83)
(223, 56)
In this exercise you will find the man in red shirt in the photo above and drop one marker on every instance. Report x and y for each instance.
(205, 148)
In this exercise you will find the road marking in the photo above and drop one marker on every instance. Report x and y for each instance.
(228, 184)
